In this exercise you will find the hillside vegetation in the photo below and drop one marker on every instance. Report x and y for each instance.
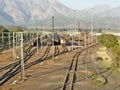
(111, 43)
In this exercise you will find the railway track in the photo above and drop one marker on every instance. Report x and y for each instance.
(108, 75)
(17, 62)
(70, 78)
(14, 65)
(16, 68)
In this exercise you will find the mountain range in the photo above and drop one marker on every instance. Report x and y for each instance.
(30, 12)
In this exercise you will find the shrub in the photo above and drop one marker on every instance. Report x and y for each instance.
(108, 40)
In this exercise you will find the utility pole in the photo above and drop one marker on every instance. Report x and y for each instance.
(2, 36)
(14, 54)
(79, 39)
(85, 41)
(41, 36)
(9, 39)
(72, 41)
(92, 25)
(75, 32)
(79, 28)
(53, 36)
(37, 43)
(22, 58)
(86, 67)
(37, 35)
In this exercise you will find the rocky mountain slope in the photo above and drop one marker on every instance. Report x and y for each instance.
(28, 11)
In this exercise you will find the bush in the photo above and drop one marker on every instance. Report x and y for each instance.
(116, 51)
(98, 80)
(108, 40)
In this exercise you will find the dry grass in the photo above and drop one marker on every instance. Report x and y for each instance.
(102, 52)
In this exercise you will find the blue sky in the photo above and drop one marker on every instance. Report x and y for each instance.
(85, 4)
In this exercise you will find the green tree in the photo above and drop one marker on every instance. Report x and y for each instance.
(108, 40)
